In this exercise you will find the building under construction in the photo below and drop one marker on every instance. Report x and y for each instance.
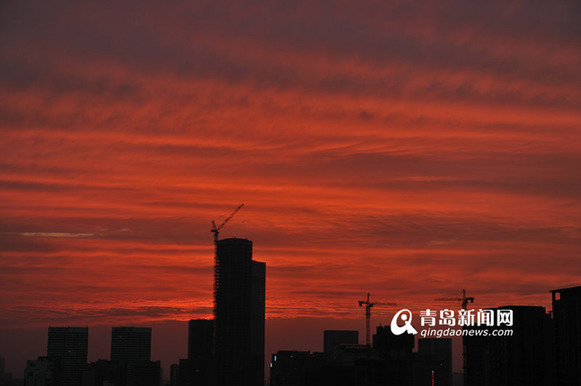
(239, 294)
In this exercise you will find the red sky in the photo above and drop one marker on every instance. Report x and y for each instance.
(405, 150)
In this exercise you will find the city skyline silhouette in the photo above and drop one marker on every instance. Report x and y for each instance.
(542, 350)
(541, 347)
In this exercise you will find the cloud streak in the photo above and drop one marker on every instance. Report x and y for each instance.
(51, 234)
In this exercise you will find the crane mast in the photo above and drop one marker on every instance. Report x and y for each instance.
(216, 231)
(368, 305)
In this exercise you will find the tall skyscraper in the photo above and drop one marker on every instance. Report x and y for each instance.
(567, 323)
(239, 296)
(67, 346)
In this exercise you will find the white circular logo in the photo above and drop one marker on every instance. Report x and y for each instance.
(406, 317)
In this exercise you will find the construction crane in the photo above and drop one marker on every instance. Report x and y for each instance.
(216, 228)
(368, 306)
(464, 300)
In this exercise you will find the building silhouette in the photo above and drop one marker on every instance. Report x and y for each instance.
(239, 298)
(40, 372)
(291, 368)
(104, 372)
(67, 348)
(349, 365)
(567, 322)
(396, 353)
(109, 373)
(333, 338)
(198, 368)
(524, 357)
(345, 363)
(130, 344)
(5, 378)
(433, 361)
(131, 356)
(200, 338)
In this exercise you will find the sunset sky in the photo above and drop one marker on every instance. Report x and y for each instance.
(406, 149)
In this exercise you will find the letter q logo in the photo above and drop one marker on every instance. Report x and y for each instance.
(406, 317)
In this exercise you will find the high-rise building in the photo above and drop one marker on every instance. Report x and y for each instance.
(131, 351)
(567, 324)
(67, 346)
(130, 344)
(239, 297)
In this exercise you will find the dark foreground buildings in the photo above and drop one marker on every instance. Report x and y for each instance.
(130, 363)
(333, 339)
(525, 357)
(543, 350)
(567, 321)
(66, 361)
(239, 294)
(390, 361)
(433, 361)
